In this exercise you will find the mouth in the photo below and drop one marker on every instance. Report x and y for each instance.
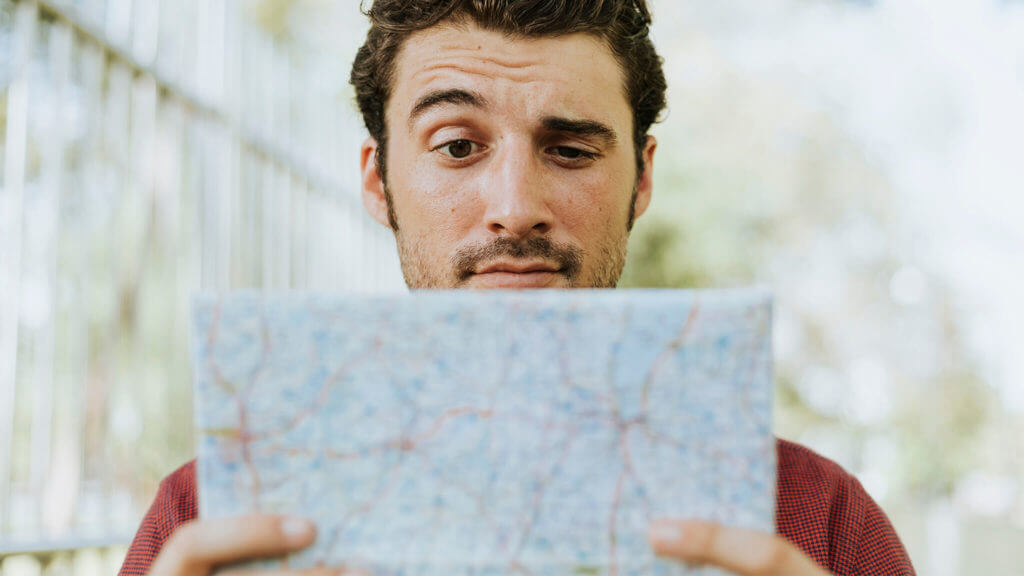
(515, 275)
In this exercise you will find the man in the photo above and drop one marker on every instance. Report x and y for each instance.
(508, 149)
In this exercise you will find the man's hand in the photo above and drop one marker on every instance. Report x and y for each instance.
(745, 552)
(196, 548)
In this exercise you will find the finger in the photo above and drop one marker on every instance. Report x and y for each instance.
(196, 547)
(745, 552)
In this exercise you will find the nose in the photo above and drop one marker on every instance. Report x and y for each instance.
(516, 194)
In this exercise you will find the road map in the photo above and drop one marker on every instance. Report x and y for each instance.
(483, 433)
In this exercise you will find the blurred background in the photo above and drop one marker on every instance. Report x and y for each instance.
(861, 157)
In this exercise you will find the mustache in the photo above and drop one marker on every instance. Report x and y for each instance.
(567, 257)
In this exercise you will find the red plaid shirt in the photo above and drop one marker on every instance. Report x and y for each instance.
(819, 507)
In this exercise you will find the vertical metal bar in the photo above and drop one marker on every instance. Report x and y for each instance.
(206, 191)
(346, 239)
(192, 198)
(268, 120)
(116, 142)
(142, 198)
(332, 259)
(56, 490)
(94, 67)
(344, 275)
(138, 201)
(169, 185)
(284, 228)
(327, 249)
(16, 142)
(300, 237)
(238, 274)
(245, 112)
(247, 222)
(361, 248)
(311, 240)
(226, 193)
(267, 188)
(284, 170)
(283, 97)
(195, 151)
(232, 102)
(201, 81)
(227, 145)
(319, 129)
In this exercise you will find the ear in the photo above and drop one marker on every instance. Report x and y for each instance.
(374, 199)
(646, 184)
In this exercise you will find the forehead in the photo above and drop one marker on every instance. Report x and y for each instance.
(575, 74)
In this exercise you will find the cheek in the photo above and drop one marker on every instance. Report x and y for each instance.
(433, 205)
(595, 204)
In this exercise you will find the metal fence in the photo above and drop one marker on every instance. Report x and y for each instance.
(151, 149)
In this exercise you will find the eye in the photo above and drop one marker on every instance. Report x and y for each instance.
(570, 153)
(458, 149)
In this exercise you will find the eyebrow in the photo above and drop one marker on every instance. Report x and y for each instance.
(460, 97)
(454, 96)
(589, 128)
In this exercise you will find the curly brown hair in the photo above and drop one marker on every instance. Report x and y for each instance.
(624, 25)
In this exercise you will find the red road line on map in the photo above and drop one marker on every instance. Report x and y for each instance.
(365, 508)
(402, 444)
(256, 487)
(477, 497)
(408, 444)
(666, 354)
(211, 340)
(241, 435)
(538, 496)
(626, 472)
(241, 398)
(308, 411)
(613, 566)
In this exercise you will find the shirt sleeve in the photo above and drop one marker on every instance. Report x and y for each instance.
(880, 551)
(826, 513)
(174, 505)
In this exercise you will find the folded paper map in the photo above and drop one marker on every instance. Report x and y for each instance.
(480, 433)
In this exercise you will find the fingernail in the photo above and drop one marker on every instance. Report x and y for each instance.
(665, 532)
(296, 530)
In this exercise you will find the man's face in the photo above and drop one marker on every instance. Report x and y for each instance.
(510, 162)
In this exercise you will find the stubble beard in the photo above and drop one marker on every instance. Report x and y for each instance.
(422, 273)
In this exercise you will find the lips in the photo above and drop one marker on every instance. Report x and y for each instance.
(515, 275)
(517, 268)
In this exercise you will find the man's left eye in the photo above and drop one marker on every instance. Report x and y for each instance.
(571, 153)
